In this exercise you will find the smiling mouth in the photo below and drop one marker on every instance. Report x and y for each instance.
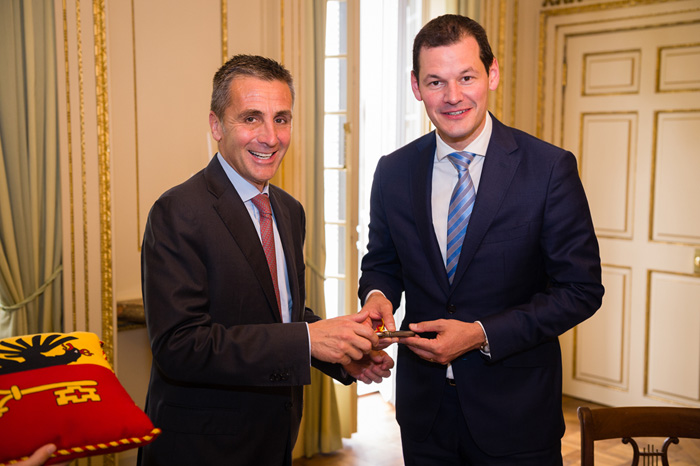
(456, 113)
(261, 155)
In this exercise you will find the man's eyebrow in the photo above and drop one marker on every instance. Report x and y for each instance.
(251, 112)
(435, 77)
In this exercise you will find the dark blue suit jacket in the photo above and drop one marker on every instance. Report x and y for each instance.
(529, 270)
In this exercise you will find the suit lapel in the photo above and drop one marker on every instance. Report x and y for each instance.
(233, 212)
(421, 193)
(500, 165)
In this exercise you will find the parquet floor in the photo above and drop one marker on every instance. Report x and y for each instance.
(378, 442)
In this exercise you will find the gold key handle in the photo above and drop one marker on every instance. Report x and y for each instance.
(79, 391)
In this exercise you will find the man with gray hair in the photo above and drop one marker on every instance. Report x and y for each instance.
(223, 286)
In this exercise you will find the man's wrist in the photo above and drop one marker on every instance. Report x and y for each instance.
(484, 348)
(371, 292)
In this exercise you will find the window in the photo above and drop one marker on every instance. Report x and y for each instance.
(339, 284)
(390, 114)
(367, 87)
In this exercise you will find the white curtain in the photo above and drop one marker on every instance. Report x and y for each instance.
(30, 216)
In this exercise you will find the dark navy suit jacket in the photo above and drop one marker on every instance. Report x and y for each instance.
(529, 270)
(227, 374)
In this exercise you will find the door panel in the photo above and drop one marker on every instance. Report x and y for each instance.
(630, 110)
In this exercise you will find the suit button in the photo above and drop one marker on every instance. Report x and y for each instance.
(288, 405)
(451, 308)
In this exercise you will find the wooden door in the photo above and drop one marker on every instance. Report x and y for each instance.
(630, 110)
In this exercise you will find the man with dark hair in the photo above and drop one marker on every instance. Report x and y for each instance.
(223, 287)
(487, 232)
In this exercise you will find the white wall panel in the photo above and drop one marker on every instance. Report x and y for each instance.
(178, 49)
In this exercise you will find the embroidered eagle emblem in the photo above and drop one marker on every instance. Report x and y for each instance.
(21, 355)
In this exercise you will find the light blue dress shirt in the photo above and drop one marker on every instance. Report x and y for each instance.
(247, 192)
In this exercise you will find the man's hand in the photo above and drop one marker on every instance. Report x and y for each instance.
(453, 339)
(379, 311)
(373, 367)
(40, 456)
(342, 339)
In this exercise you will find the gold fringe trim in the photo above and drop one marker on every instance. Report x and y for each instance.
(100, 448)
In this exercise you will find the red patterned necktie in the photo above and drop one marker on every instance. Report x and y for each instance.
(262, 203)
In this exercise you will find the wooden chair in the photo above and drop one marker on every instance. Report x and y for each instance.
(628, 422)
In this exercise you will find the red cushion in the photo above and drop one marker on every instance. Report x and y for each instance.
(59, 388)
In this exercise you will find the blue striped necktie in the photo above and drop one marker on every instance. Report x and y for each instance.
(461, 205)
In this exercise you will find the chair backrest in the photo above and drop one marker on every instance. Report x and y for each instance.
(638, 421)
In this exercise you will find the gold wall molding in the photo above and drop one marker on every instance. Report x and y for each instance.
(224, 31)
(84, 142)
(514, 63)
(83, 162)
(500, 19)
(501, 51)
(69, 143)
(136, 126)
(104, 173)
(290, 15)
(87, 206)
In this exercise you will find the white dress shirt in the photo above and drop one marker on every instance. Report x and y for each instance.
(445, 178)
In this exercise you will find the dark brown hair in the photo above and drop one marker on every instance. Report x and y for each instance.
(448, 30)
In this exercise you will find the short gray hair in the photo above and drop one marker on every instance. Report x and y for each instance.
(245, 65)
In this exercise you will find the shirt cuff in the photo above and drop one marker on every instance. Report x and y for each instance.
(485, 348)
(308, 337)
(371, 293)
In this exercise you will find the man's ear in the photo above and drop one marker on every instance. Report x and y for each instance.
(415, 87)
(217, 129)
(494, 75)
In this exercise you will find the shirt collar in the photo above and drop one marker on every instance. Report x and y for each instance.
(478, 146)
(243, 187)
